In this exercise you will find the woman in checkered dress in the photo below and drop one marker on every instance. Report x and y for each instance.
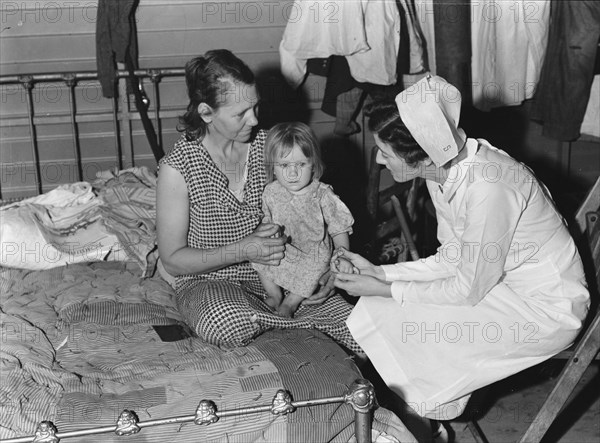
(209, 210)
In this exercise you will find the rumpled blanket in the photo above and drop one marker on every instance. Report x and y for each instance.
(112, 218)
(128, 211)
(80, 368)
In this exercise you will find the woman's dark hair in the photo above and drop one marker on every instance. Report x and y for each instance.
(385, 121)
(208, 78)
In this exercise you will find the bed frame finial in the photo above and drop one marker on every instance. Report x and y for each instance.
(361, 395)
(206, 413)
(127, 423)
(46, 433)
(282, 403)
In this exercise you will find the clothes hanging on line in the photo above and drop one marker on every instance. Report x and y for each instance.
(508, 41)
(352, 75)
(366, 32)
(426, 21)
(343, 96)
(591, 119)
(115, 40)
(567, 76)
(417, 54)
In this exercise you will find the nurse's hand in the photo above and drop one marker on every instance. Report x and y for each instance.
(361, 285)
(325, 290)
(361, 264)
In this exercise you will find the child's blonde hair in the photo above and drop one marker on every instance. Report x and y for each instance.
(281, 140)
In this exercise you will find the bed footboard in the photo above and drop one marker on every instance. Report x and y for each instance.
(360, 396)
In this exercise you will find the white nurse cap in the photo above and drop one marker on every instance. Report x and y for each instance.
(430, 109)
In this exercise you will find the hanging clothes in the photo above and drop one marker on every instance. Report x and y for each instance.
(508, 41)
(425, 17)
(115, 40)
(367, 32)
(568, 71)
(418, 61)
(382, 30)
(591, 119)
(343, 96)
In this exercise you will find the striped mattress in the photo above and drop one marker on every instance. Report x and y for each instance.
(81, 343)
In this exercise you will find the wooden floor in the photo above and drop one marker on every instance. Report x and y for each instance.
(505, 409)
(509, 406)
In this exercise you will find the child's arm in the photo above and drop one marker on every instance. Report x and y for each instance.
(342, 240)
(340, 264)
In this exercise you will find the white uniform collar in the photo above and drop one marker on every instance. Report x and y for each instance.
(459, 171)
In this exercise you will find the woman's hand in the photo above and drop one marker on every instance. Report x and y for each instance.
(362, 265)
(326, 290)
(265, 245)
(359, 285)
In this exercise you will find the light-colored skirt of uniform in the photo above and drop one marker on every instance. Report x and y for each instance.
(435, 356)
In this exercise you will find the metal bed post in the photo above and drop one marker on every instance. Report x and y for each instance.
(126, 117)
(71, 81)
(27, 82)
(361, 396)
(155, 77)
(117, 127)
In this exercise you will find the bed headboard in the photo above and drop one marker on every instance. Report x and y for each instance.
(58, 128)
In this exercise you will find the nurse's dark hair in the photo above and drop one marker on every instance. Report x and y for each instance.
(282, 138)
(385, 121)
(208, 78)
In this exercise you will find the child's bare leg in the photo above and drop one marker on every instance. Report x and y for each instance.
(289, 304)
(274, 293)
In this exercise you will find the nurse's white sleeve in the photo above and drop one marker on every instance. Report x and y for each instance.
(440, 265)
(492, 213)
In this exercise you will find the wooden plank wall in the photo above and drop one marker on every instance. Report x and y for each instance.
(59, 36)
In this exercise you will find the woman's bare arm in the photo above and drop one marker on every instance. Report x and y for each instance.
(172, 225)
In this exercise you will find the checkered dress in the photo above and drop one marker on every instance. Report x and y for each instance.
(217, 217)
(225, 307)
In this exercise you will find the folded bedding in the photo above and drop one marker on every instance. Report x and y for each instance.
(111, 218)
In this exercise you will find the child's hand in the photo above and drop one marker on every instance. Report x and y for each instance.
(344, 266)
(339, 263)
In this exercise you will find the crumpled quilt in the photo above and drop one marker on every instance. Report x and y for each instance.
(81, 373)
(129, 212)
(112, 218)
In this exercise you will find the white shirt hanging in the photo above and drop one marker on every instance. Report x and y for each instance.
(367, 32)
(508, 41)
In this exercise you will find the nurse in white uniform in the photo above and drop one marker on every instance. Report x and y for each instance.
(506, 288)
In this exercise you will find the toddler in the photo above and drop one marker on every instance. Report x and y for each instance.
(315, 220)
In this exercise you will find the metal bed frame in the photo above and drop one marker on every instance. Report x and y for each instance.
(360, 395)
(121, 113)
